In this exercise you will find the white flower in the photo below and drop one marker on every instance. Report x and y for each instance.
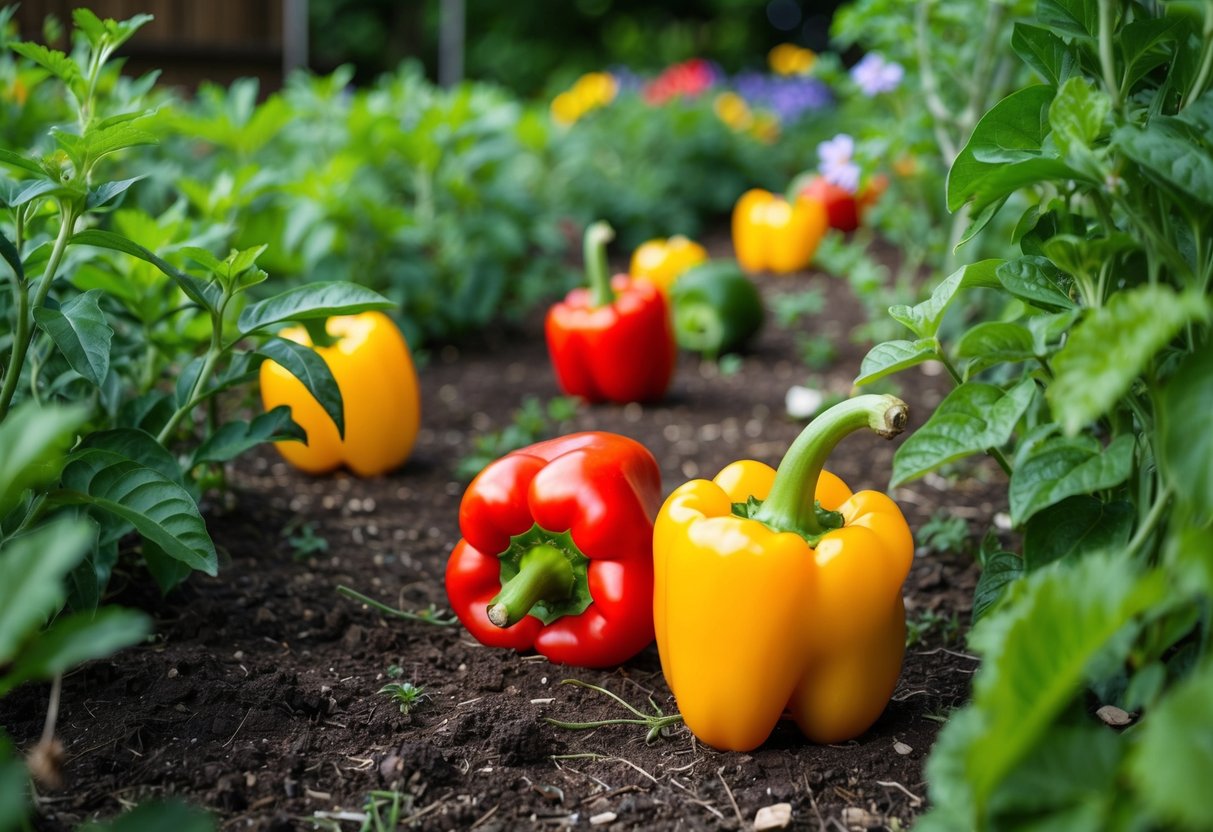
(837, 165)
(803, 402)
(875, 75)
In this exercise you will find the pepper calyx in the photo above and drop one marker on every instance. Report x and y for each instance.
(827, 520)
(543, 574)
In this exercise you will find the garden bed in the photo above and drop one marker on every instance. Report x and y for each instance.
(257, 699)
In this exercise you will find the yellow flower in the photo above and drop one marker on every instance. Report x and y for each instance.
(790, 59)
(732, 110)
(595, 89)
(566, 108)
(765, 128)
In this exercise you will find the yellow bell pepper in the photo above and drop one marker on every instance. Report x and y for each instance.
(782, 590)
(374, 371)
(772, 234)
(661, 262)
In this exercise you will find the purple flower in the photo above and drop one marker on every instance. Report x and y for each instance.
(837, 164)
(875, 75)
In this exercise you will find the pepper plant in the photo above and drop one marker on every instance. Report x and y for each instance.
(1091, 389)
(108, 426)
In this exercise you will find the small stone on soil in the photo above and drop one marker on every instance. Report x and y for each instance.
(776, 816)
(901, 748)
(855, 817)
(600, 819)
(1114, 716)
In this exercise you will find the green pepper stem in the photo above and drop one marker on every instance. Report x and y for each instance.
(790, 505)
(544, 574)
(596, 269)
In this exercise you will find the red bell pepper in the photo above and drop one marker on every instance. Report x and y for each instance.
(612, 341)
(557, 550)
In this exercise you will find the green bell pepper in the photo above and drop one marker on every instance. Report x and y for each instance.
(716, 308)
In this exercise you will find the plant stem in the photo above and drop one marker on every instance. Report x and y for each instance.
(1206, 61)
(437, 621)
(1107, 61)
(1147, 527)
(24, 325)
(596, 268)
(790, 505)
(930, 87)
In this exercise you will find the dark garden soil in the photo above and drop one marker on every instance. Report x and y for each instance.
(257, 699)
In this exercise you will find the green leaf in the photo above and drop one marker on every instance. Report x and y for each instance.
(995, 342)
(1077, 114)
(1037, 650)
(74, 639)
(1185, 442)
(16, 160)
(205, 259)
(166, 571)
(33, 441)
(1064, 467)
(34, 190)
(81, 332)
(1044, 51)
(973, 418)
(137, 445)
(314, 300)
(1112, 347)
(11, 256)
(102, 194)
(1169, 158)
(234, 438)
(894, 356)
(1012, 131)
(32, 570)
(159, 509)
(1144, 45)
(1000, 571)
(120, 136)
(245, 259)
(156, 817)
(305, 364)
(14, 776)
(205, 295)
(1036, 280)
(1074, 527)
(1174, 754)
(1075, 18)
(59, 64)
(924, 318)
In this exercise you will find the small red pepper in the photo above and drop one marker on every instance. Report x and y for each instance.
(557, 550)
(612, 341)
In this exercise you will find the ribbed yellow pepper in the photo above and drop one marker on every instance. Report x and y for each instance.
(374, 371)
(764, 601)
(772, 234)
(661, 262)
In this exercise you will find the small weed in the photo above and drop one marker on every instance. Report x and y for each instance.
(730, 364)
(394, 671)
(531, 422)
(655, 722)
(301, 536)
(816, 351)
(945, 533)
(405, 694)
(920, 626)
(382, 812)
(789, 309)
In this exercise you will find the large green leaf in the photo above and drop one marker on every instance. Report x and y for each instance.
(159, 509)
(167, 572)
(1145, 44)
(1185, 444)
(1065, 467)
(32, 571)
(76, 638)
(1077, 114)
(995, 342)
(973, 418)
(1044, 51)
(1173, 756)
(1012, 131)
(1000, 571)
(1112, 347)
(81, 332)
(305, 364)
(1171, 158)
(33, 440)
(1036, 280)
(137, 445)
(924, 318)
(1074, 527)
(893, 356)
(314, 300)
(205, 295)
(1037, 651)
(234, 438)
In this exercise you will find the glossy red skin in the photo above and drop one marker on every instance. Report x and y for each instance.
(604, 489)
(842, 208)
(621, 352)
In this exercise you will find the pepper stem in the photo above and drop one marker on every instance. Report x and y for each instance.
(790, 505)
(544, 574)
(596, 269)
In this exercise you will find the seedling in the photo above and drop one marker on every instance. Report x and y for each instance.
(789, 309)
(655, 722)
(531, 422)
(302, 538)
(945, 532)
(405, 694)
(920, 626)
